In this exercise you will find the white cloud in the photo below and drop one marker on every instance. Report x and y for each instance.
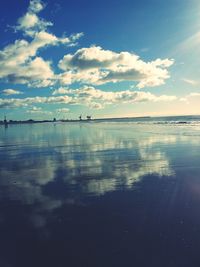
(89, 96)
(24, 102)
(61, 91)
(191, 96)
(190, 81)
(29, 20)
(184, 99)
(95, 105)
(97, 66)
(63, 110)
(192, 99)
(19, 64)
(11, 92)
(37, 73)
(36, 6)
(89, 58)
(38, 110)
(19, 61)
(194, 95)
(30, 23)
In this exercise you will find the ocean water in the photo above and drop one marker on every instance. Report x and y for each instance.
(192, 120)
(101, 194)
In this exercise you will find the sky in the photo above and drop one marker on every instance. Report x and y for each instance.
(103, 58)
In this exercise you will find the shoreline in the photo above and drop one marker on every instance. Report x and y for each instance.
(31, 121)
(55, 121)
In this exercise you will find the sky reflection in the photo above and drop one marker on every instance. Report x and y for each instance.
(77, 160)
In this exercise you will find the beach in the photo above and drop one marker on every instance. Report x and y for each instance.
(103, 194)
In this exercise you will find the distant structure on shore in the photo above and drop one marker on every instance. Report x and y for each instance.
(88, 119)
(5, 122)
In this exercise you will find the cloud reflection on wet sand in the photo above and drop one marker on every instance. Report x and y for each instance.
(88, 160)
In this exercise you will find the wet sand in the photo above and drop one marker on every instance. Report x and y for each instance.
(99, 194)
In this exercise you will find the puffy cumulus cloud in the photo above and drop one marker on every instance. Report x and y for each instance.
(22, 50)
(27, 21)
(61, 91)
(11, 92)
(36, 73)
(95, 65)
(73, 76)
(30, 23)
(89, 58)
(19, 61)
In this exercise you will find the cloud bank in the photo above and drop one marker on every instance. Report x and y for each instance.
(89, 96)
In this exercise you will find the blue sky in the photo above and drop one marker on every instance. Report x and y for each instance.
(100, 58)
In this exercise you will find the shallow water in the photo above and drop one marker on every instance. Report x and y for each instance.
(100, 195)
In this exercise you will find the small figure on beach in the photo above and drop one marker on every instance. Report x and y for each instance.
(89, 118)
(5, 122)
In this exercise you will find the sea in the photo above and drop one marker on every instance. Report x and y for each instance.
(103, 193)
